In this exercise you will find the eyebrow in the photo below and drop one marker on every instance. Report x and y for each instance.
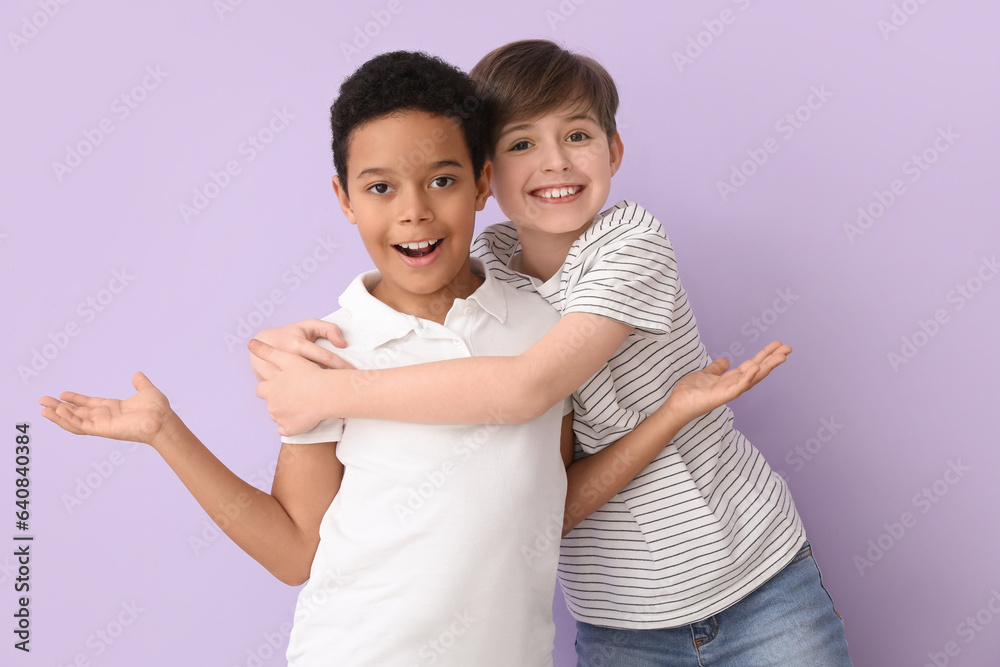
(525, 126)
(382, 171)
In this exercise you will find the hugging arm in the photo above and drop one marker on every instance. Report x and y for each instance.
(475, 390)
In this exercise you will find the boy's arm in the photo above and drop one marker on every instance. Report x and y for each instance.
(472, 390)
(279, 530)
(593, 480)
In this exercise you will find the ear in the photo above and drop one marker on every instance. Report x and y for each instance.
(344, 200)
(617, 151)
(483, 185)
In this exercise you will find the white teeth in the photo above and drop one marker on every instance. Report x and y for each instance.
(557, 192)
(418, 245)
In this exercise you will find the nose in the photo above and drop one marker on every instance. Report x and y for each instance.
(414, 206)
(555, 158)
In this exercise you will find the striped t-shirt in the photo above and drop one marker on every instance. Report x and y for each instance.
(707, 521)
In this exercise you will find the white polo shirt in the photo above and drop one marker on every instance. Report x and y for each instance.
(441, 547)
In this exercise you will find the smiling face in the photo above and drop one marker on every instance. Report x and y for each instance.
(552, 174)
(414, 199)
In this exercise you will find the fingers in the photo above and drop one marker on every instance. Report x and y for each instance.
(316, 328)
(80, 399)
(48, 402)
(61, 417)
(263, 351)
(331, 360)
(770, 349)
(61, 414)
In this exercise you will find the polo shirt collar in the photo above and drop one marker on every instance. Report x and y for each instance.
(376, 323)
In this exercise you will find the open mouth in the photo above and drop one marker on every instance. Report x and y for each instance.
(418, 248)
(558, 192)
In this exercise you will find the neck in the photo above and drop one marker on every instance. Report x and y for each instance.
(433, 306)
(543, 254)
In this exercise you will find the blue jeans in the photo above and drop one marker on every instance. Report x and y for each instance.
(788, 622)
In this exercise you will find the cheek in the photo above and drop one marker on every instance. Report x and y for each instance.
(504, 187)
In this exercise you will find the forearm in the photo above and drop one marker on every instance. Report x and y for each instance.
(593, 480)
(480, 390)
(474, 390)
(253, 519)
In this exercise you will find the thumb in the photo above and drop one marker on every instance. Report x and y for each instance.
(718, 367)
(140, 381)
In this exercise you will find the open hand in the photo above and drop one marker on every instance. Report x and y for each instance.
(702, 391)
(140, 418)
(299, 338)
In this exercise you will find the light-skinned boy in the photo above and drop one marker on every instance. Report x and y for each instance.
(419, 558)
(702, 557)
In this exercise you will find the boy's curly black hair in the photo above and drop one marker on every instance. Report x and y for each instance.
(404, 81)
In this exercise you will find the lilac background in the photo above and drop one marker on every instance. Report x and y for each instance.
(899, 429)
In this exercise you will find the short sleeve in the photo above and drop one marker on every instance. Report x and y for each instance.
(630, 276)
(567, 405)
(328, 430)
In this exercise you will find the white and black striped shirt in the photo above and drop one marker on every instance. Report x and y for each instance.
(707, 521)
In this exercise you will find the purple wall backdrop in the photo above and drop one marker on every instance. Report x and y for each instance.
(827, 172)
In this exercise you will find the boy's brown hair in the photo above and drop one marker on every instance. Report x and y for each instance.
(529, 78)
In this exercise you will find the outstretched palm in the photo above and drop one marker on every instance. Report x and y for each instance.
(137, 419)
(702, 391)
